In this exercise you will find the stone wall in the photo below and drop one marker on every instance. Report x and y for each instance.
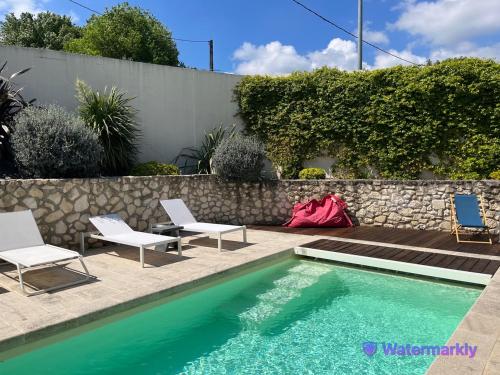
(62, 207)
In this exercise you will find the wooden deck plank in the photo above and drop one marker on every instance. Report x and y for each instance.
(492, 267)
(411, 237)
(425, 258)
(480, 265)
(469, 264)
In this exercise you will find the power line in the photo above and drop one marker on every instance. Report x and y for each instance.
(350, 33)
(86, 7)
(99, 13)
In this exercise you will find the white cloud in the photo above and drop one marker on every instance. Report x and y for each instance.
(467, 49)
(464, 49)
(375, 37)
(339, 53)
(19, 6)
(74, 16)
(275, 58)
(272, 58)
(383, 60)
(444, 22)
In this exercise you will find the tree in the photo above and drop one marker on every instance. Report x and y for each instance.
(42, 30)
(126, 32)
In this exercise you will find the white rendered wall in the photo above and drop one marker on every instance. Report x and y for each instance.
(176, 106)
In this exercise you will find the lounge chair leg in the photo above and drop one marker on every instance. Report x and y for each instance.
(458, 236)
(219, 241)
(84, 267)
(179, 247)
(21, 278)
(141, 250)
(82, 243)
(244, 234)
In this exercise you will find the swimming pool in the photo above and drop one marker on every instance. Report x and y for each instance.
(293, 317)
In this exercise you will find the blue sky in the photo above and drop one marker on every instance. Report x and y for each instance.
(277, 36)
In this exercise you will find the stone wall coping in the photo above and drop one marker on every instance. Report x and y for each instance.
(273, 181)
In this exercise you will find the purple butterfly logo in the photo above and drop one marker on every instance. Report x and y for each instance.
(370, 348)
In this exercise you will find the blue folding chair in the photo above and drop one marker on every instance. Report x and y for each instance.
(466, 210)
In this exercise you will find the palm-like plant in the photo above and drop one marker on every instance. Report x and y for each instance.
(112, 118)
(11, 102)
(198, 160)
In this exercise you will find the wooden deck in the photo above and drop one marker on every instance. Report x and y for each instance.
(409, 237)
(460, 263)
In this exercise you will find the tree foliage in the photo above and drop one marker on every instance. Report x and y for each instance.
(390, 123)
(126, 32)
(42, 30)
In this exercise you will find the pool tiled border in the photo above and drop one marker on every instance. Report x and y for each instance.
(480, 326)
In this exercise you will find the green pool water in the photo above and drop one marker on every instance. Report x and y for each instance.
(293, 317)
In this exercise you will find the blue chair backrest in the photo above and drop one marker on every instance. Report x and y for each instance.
(468, 211)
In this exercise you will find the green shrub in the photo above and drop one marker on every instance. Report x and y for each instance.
(153, 168)
(198, 160)
(112, 118)
(396, 121)
(312, 174)
(52, 143)
(239, 158)
(495, 175)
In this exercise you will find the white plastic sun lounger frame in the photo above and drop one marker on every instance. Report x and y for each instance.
(21, 244)
(112, 225)
(180, 215)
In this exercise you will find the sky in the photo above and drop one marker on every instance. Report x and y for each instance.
(278, 37)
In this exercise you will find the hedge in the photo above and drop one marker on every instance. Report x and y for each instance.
(389, 123)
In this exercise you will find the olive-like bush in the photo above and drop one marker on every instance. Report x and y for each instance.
(312, 174)
(153, 168)
(239, 158)
(53, 143)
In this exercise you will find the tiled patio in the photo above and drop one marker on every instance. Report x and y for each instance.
(120, 284)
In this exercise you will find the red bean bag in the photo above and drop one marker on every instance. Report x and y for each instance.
(329, 212)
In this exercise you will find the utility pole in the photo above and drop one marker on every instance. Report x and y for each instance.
(211, 47)
(360, 34)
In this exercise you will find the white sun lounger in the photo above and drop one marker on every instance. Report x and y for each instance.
(180, 215)
(22, 245)
(114, 229)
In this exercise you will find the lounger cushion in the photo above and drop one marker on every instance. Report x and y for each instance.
(208, 227)
(139, 238)
(35, 255)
